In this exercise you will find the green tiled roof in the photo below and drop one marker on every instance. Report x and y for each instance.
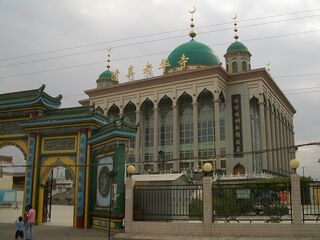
(27, 98)
(237, 46)
(197, 52)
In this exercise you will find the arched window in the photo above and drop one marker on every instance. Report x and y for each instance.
(129, 116)
(147, 113)
(113, 112)
(255, 134)
(185, 126)
(222, 125)
(238, 169)
(165, 131)
(234, 67)
(205, 125)
(244, 66)
(227, 67)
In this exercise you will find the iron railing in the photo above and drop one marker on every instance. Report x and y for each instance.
(310, 201)
(250, 202)
(168, 202)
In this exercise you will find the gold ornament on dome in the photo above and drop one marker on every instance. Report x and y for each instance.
(131, 73)
(115, 75)
(164, 64)
(183, 61)
(147, 71)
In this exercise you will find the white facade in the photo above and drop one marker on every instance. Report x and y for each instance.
(186, 118)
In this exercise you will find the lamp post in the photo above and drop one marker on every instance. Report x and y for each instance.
(294, 164)
(111, 175)
(207, 169)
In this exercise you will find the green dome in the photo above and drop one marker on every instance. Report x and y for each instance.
(105, 74)
(198, 54)
(237, 46)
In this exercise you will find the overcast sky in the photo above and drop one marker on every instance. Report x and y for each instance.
(63, 44)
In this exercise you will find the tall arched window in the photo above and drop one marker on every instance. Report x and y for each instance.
(234, 67)
(165, 133)
(205, 125)
(185, 127)
(244, 66)
(147, 113)
(255, 134)
(222, 125)
(113, 112)
(129, 116)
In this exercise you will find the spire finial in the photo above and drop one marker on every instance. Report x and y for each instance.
(269, 67)
(108, 58)
(192, 32)
(235, 27)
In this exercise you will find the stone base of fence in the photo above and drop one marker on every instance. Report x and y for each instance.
(225, 229)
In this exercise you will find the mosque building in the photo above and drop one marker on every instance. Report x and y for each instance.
(198, 111)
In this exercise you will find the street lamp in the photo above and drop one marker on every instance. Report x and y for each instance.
(207, 168)
(131, 170)
(294, 164)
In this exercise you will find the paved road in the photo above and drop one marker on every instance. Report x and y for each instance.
(50, 232)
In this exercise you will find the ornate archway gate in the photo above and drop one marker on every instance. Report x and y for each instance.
(81, 139)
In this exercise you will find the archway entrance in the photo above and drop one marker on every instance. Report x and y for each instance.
(58, 200)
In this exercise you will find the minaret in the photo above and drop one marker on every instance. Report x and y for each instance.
(238, 55)
(108, 78)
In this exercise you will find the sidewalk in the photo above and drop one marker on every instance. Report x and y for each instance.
(49, 232)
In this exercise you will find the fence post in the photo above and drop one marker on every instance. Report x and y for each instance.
(296, 199)
(129, 204)
(207, 199)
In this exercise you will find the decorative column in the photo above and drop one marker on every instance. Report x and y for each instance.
(263, 134)
(175, 135)
(278, 151)
(217, 126)
(281, 143)
(274, 141)
(32, 139)
(155, 139)
(269, 139)
(81, 161)
(195, 132)
(137, 141)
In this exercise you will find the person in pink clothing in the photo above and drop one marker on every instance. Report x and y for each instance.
(31, 215)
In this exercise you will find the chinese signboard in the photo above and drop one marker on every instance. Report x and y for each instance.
(237, 126)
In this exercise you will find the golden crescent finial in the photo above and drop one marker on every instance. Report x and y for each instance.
(235, 16)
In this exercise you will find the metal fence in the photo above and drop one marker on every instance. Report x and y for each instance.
(168, 202)
(310, 201)
(251, 202)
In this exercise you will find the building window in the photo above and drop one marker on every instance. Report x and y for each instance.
(185, 127)
(113, 112)
(244, 66)
(205, 125)
(255, 134)
(165, 131)
(234, 67)
(222, 129)
(223, 164)
(147, 110)
(129, 116)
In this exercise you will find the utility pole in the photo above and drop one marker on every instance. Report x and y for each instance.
(303, 171)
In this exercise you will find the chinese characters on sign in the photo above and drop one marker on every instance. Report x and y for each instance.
(237, 126)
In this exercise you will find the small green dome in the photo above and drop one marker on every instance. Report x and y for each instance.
(198, 54)
(237, 46)
(105, 74)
